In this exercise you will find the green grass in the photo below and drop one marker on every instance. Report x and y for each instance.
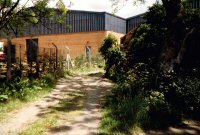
(8, 107)
(37, 128)
(23, 91)
(111, 126)
(121, 117)
(84, 70)
(15, 104)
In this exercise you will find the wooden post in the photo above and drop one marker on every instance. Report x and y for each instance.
(20, 57)
(9, 64)
(44, 60)
(56, 59)
(37, 63)
(20, 60)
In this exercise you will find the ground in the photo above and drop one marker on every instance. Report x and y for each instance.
(73, 108)
(77, 96)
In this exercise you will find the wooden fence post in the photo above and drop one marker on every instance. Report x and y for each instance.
(56, 59)
(44, 60)
(9, 64)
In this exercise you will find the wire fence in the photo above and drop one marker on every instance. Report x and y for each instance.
(48, 60)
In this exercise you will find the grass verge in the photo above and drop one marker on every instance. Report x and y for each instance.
(121, 118)
(25, 91)
(15, 104)
(37, 128)
(58, 116)
(85, 70)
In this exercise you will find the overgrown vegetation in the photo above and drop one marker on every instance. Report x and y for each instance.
(59, 115)
(84, 65)
(25, 88)
(157, 72)
(22, 89)
(13, 95)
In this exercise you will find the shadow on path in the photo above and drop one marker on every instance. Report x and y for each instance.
(185, 128)
(91, 86)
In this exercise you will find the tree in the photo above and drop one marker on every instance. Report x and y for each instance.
(178, 32)
(14, 16)
(118, 4)
(12, 12)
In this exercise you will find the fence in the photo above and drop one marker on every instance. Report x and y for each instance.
(47, 60)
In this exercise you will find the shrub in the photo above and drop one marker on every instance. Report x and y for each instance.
(125, 113)
(183, 95)
(145, 94)
(20, 88)
(115, 64)
(159, 112)
(48, 79)
(115, 58)
(108, 43)
(82, 61)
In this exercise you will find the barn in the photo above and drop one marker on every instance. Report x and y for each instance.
(83, 29)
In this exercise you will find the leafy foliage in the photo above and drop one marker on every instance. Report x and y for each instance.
(82, 61)
(20, 88)
(18, 15)
(114, 57)
(145, 96)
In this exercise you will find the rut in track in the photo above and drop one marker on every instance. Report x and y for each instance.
(87, 123)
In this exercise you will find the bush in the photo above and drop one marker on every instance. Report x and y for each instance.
(98, 61)
(124, 113)
(48, 79)
(136, 104)
(82, 61)
(20, 88)
(115, 58)
(159, 112)
(183, 95)
(145, 94)
(108, 43)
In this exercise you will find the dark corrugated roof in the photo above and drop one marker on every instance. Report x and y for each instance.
(71, 10)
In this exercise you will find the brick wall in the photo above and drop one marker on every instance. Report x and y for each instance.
(75, 41)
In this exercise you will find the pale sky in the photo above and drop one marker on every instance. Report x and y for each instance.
(105, 5)
(128, 10)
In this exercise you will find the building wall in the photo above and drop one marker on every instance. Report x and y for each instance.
(75, 21)
(114, 23)
(134, 22)
(76, 42)
(78, 21)
(195, 3)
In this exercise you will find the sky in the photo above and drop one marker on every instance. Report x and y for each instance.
(128, 10)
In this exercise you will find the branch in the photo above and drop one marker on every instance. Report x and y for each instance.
(4, 21)
(3, 6)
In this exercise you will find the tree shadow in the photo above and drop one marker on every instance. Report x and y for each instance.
(184, 128)
(60, 128)
(77, 91)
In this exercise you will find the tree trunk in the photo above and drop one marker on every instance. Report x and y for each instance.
(175, 34)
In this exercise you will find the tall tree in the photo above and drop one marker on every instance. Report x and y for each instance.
(15, 15)
(177, 32)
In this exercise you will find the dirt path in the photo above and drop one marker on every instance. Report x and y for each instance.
(85, 124)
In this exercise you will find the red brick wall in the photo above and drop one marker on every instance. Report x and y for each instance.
(75, 41)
